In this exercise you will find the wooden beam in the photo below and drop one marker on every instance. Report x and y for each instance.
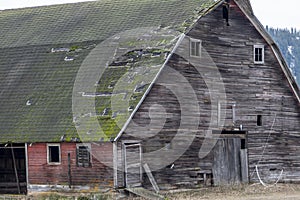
(26, 165)
(115, 163)
(151, 178)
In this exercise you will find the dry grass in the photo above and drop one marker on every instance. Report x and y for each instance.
(240, 192)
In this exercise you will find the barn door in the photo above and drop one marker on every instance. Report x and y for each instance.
(230, 165)
(133, 165)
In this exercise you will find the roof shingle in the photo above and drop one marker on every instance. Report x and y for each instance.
(43, 48)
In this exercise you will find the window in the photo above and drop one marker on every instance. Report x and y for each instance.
(195, 48)
(259, 120)
(226, 114)
(259, 57)
(83, 155)
(53, 153)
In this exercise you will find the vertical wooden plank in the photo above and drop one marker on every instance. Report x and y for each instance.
(220, 163)
(230, 164)
(115, 163)
(244, 166)
(219, 113)
(26, 165)
(236, 161)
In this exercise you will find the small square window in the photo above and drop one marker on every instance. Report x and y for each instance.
(195, 48)
(259, 57)
(83, 155)
(53, 153)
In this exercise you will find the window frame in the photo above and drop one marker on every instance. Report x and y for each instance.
(259, 46)
(89, 154)
(48, 153)
(230, 109)
(195, 41)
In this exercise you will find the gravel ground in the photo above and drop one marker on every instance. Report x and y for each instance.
(246, 192)
(249, 192)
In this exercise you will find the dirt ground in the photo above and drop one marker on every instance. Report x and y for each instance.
(249, 192)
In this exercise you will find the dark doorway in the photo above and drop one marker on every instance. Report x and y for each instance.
(12, 169)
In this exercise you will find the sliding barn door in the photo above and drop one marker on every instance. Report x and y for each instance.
(230, 165)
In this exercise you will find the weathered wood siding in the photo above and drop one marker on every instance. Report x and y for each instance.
(256, 89)
(98, 176)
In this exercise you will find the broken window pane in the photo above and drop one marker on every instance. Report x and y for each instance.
(83, 156)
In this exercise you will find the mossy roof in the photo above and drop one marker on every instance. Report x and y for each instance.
(51, 55)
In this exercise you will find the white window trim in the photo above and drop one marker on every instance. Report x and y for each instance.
(48, 156)
(260, 46)
(85, 145)
(200, 48)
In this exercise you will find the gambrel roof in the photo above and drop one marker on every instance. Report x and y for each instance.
(64, 67)
(45, 51)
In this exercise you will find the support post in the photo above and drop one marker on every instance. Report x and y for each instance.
(69, 170)
(15, 168)
(115, 163)
(27, 165)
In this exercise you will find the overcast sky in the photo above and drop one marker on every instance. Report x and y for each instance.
(274, 13)
(278, 13)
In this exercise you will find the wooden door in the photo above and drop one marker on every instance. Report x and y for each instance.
(133, 165)
(230, 165)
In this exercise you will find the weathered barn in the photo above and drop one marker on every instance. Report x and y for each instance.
(116, 94)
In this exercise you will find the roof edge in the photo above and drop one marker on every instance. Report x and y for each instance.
(149, 89)
(284, 67)
(46, 5)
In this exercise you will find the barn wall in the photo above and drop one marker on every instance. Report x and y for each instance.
(256, 89)
(98, 176)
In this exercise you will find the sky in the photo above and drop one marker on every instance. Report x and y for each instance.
(275, 13)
